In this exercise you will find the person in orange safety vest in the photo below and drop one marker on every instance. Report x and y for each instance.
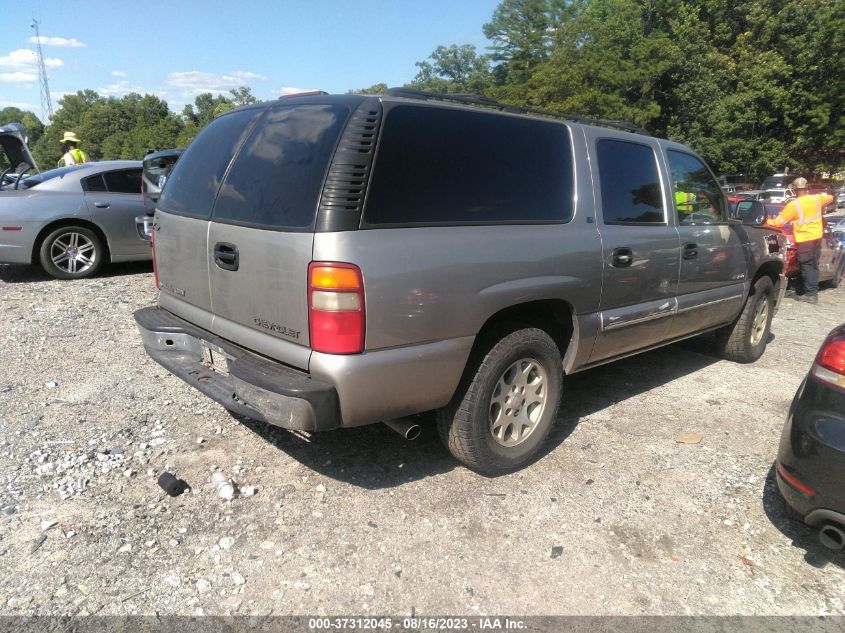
(805, 213)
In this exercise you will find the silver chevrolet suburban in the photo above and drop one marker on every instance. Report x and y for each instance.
(333, 261)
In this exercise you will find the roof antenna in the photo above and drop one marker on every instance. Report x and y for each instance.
(46, 102)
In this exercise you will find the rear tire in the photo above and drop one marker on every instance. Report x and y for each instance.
(506, 403)
(744, 340)
(71, 252)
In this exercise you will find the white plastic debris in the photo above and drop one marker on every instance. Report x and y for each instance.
(224, 486)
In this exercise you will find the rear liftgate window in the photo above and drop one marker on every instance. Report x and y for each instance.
(275, 181)
(196, 177)
(439, 166)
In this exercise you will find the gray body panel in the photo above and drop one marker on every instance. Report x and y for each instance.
(62, 199)
(429, 290)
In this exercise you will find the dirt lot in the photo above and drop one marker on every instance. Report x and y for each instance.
(617, 517)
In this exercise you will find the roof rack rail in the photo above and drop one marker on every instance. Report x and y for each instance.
(489, 102)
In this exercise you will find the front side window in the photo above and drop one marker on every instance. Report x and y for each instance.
(698, 197)
(630, 183)
(444, 166)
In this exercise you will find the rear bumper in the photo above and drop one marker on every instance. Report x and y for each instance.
(254, 387)
(812, 450)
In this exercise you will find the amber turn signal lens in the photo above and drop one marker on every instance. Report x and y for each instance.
(335, 278)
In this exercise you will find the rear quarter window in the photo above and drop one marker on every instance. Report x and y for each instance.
(193, 185)
(276, 179)
(442, 166)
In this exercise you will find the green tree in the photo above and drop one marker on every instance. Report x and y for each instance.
(31, 123)
(375, 89)
(522, 32)
(454, 69)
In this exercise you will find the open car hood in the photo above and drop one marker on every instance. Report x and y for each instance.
(13, 141)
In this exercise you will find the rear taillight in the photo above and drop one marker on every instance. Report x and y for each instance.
(830, 361)
(336, 308)
(155, 267)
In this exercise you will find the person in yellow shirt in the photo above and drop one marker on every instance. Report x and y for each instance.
(72, 154)
(805, 213)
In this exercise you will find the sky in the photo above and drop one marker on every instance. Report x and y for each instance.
(181, 48)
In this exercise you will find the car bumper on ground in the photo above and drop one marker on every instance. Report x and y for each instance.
(241, 381)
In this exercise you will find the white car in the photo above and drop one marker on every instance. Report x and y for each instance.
(780, 195)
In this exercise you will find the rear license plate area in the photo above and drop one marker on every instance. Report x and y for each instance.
(215, 359)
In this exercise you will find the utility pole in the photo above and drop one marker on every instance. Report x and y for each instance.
(46, 102)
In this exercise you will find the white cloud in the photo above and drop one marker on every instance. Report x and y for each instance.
(121, 88)
(26, 60)
(23, 105)
(290, 90)
(196, 82)
(118, 73)
(17, 77)
(61, 42)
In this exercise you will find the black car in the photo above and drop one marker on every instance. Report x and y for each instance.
(811, 460)
(157, 167)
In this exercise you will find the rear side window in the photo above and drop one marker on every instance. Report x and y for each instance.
(123, 181)
(276, 179)
(94, 183)
(439, 166)
(630, 184)
(193, 184)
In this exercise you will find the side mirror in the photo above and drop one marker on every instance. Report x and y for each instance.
(751, 212)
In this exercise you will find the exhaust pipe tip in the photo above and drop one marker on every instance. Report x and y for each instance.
(832, 537)
(409, 430)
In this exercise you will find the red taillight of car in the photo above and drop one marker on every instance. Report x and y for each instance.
(792, 480)
(830, 361)
(155, 267)
(336, 313)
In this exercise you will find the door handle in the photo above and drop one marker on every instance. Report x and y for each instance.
(622, 257)
(101, 205)
(690, 251)
(226, 256)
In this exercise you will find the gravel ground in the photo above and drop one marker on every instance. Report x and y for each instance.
(617, 517)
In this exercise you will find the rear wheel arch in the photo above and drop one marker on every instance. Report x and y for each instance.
(555, 316)
(49, 228)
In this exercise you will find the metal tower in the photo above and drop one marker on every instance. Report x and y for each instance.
(46, 102)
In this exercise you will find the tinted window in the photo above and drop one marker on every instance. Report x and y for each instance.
(123, 181)
(698, 197)
(278, 175)
(195, 179)
(630, 184)
(444, 166)
(94, 183)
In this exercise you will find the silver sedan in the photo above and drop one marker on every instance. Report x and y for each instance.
(73, 220)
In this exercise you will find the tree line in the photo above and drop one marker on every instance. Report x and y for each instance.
(755, 86)
(126, 127)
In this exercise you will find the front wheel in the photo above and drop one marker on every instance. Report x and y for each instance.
(506, 403)
(744, 340)
(71, 252)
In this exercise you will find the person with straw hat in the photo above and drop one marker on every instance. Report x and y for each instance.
(72, 154)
